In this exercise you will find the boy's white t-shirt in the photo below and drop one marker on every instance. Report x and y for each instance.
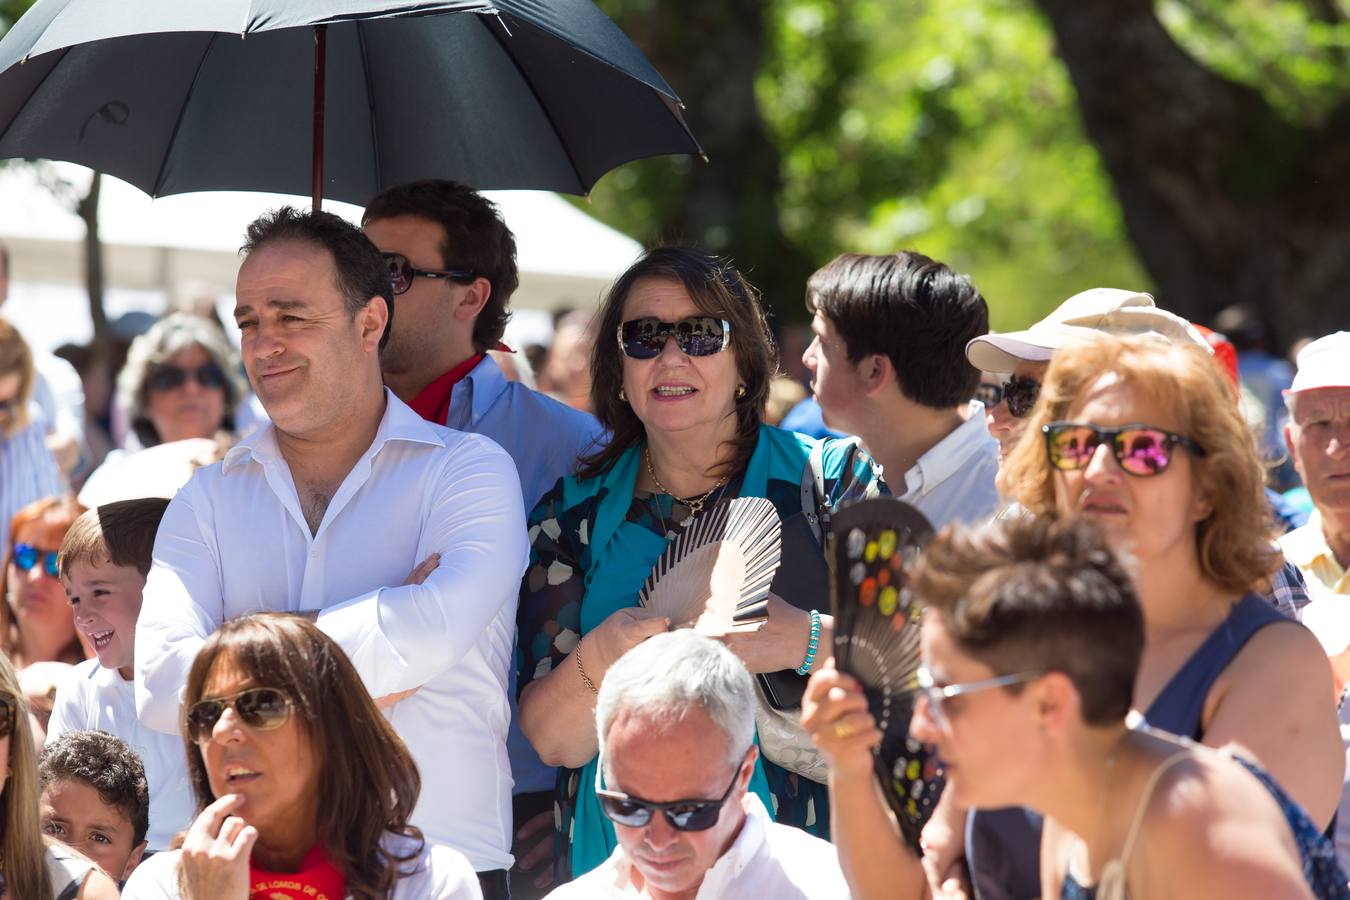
(93, 698)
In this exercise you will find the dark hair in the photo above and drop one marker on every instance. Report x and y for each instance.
(475, 238)
(122, 533)
(358, 269)
(370, 782)
(717, 288)
(107, 764)
(1029, 594)
(4, 258)
(914, 310)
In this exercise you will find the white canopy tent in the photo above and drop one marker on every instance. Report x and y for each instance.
(186, 246)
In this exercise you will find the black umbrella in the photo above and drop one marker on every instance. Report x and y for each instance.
(341, 98)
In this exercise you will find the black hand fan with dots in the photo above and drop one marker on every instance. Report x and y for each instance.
(876, 640)
(717, 572)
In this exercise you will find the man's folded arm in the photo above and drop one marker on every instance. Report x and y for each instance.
(399, 638)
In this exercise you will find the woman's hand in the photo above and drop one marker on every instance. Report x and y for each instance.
(777, 643)
(216, 853)
(835, 714)
(623, 630)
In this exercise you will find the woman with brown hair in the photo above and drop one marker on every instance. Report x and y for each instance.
(300, 781)
(680, 375)
(31, 866)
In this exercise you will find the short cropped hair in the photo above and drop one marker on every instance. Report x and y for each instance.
(107, 764)
(1235, 539)
(914, 310)
(122, 533)
(475, 238)
(1030, 594)
(664, 677)
(358, 269)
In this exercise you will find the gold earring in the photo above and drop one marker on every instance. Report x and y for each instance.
(740, 392)
(623, 398)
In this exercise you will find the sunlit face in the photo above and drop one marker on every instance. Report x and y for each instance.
(835, 380)
(1149, 517)
(189, 410)
(301, 349)
(991, 746)
(106, 600)
(1318, 437)
(1003, 425)
(675, 392)
(425, 317)
(38, 598)
(275, 771)
(688, 761)
(73, 812)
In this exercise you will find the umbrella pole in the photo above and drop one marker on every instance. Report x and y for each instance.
(320, 48)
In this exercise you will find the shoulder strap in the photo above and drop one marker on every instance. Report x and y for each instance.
(1142, 808)
(814, 505)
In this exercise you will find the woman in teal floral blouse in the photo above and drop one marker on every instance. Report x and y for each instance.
(680, 376)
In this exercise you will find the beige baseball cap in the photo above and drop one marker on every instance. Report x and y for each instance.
(1093, 312)
(1324, 363)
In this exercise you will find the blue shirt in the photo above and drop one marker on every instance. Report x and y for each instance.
(27, 472)
(544, 437)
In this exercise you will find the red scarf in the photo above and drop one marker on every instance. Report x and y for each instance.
(433, 401)
(318, 879)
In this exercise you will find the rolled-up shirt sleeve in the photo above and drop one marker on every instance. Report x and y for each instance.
(182, 605)
(398, 638)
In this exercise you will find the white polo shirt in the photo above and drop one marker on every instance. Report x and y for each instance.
(954, 481)
(234, 541)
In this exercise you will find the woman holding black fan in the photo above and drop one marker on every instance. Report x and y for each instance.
(680, 376)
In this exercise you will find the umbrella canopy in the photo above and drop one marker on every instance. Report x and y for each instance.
(176, 96)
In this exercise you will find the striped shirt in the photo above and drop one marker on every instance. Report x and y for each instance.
(27, 473)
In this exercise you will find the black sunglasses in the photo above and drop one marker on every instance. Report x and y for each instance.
(262, 709)
(1141, 450)
(168, 377)
(1020, 393)
(683, 815)
(402, 273)
(26, 556)
(695, 336)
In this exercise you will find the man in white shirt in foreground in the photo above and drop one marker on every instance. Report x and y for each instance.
(676, 720)
(327, 510)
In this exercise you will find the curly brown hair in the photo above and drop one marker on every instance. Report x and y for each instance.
(1234, 542)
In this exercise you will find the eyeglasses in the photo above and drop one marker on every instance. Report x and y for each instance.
(262, 709)
(1141, 450)
(26, 556)
(402, 273)
(683, 815)
(9, 707)
(935, 694)
(695, 336)
(170, 378)
(1020, 393)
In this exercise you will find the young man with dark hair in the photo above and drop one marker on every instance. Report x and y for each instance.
(888, 364)
(95, 799)
(453, 266)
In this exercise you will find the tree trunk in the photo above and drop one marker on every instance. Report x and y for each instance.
(87, 209)
(1225, 199)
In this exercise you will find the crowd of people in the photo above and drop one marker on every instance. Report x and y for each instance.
(351, 609)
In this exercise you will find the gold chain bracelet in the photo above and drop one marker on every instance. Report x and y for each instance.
(586, 679)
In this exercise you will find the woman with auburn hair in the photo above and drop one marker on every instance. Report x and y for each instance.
(31, 866)
(299, 779)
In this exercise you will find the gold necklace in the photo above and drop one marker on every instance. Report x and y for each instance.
(695, 505)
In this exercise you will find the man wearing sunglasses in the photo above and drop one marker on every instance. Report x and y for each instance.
(675, 719)
(888, 365)
(325, 512)
(452, 267)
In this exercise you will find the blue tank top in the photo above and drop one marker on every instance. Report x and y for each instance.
(1003, 846)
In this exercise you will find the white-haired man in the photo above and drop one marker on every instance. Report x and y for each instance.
(676, 721)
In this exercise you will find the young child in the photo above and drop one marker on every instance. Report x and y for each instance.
(95, 799)
(104, 560)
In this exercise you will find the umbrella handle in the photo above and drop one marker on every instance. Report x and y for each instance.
(316, 165)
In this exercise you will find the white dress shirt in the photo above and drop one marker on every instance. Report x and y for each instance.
(954, 481)
(438, 873)
(767, 860)
(93, 698)
(234, 541)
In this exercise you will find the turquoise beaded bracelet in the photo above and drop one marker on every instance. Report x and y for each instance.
(805, 667)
